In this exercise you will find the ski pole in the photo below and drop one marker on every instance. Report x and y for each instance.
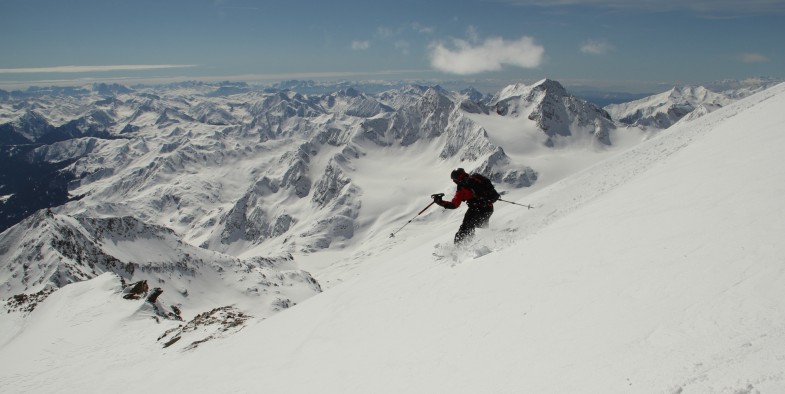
(515, 203)
(418, 214)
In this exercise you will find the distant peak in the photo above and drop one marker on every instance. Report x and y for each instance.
(434, 91)
(350, 92)
(550, 85)
(32, 117)
(688, 93)
(518, 87)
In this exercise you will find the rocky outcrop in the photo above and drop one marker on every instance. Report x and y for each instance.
(26, 303)
(208, 326)
(136, 291)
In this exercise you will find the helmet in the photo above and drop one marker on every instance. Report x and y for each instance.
(458, 175)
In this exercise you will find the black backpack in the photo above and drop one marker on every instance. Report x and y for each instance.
(482, 188)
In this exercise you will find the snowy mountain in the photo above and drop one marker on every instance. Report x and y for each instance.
(254, 173)
(665, 109)
(559, 114)
(138, 151)
(739, 89)
(48, 251)
(640, 272)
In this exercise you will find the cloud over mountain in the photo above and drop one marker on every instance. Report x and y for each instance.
(464, 58)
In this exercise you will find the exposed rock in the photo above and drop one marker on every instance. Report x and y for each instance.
(26, 303)
(136, 291)
(154, 295)
(215, 324)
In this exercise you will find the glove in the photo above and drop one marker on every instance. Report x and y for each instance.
(437, 198)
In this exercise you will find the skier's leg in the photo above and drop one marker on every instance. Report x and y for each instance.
(485, 217)
(464, 233)
(470, 221)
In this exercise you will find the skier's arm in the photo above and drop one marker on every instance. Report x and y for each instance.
(461, 195)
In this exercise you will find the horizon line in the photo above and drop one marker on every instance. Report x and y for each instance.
(85, 69)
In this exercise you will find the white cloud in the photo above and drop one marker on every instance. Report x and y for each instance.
(596, 47)
(490, 55)
(85, 69)
(361, 45)
(753, 58)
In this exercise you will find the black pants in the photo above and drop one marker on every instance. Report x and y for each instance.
(476, 217)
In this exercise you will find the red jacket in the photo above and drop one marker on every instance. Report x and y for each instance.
(461, 195)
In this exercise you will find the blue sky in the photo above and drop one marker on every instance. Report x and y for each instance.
(612, 44)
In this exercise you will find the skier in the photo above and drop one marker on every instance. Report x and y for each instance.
(479, 194)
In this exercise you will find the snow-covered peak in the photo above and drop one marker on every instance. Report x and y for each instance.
(353, 103)
(544, 86)
(664, 109)
(517, 89)
(739, 89)
(32, 125)
(560, 115)
(551, 86)
(696, 95)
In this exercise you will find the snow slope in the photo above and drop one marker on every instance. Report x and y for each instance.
(660, 269)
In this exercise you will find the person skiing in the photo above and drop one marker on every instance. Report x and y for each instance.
(479, 194)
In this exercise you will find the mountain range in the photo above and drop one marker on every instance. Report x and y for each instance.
(246, 172)
(225, 205)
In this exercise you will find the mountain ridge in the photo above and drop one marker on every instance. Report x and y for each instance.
(665, 109)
